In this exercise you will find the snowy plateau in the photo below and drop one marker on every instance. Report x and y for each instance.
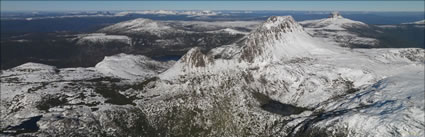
(283, 78)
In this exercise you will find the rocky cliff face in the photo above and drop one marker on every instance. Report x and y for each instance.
(270, 33)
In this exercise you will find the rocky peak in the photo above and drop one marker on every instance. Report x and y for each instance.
(195, 58)
(335, 15)
(273, 32)
(280, 24)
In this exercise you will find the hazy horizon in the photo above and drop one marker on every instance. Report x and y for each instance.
(355, 6)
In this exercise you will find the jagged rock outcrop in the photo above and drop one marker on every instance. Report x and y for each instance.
(335, 14)
(195, 58)
(269, 32)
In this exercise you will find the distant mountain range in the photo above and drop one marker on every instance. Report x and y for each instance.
(416, 22)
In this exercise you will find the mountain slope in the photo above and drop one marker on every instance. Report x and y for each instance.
(315, 76)
(416, 22)
(391, 107)
(138, 26)
(101, 39)
(341, 31)
(131, 66)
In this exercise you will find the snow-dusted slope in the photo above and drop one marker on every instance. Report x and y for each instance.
(416, 22)
(169, 12)
(393, 106)
(228, 30)
(276, 39)
(101, 38)
(131, 66)
(338, 29)
(333, 23)
(137, 26)
(74, 101)
(214, 25)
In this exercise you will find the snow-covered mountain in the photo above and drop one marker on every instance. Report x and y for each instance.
(131, 66)
(278, 80)
(340, 30)
(158, 38)
(138, 26)
(290, 67)
(101, 38)
(142, 25)
(214, 25)
(416, 22)
(170, 12)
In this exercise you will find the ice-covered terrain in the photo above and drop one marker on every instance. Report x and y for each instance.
(278, 80)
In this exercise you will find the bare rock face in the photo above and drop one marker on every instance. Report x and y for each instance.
(195, 58)
(273, 39)
(267, 33)
(335, 14)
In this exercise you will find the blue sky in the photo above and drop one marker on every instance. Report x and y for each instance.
(213, 5)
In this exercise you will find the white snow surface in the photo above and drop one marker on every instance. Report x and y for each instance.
(229, 30)
(393, 105)
(170, 12)
(134, 67)
(102, 38)
(212, 25)
(138, 25)
(416, 22)
(332, 23)
(335, 29)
